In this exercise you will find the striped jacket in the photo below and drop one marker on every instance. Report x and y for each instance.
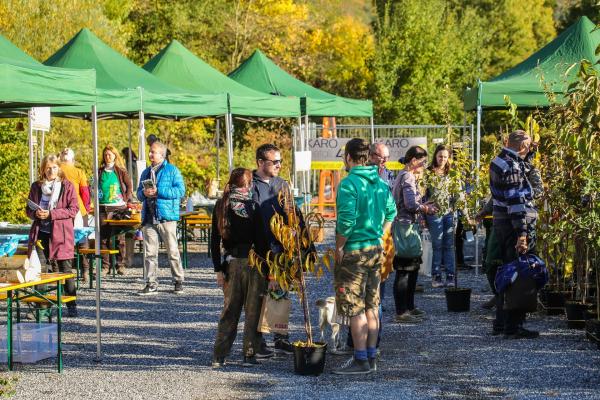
(512, 194)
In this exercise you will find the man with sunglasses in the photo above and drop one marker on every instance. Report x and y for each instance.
(266, 185)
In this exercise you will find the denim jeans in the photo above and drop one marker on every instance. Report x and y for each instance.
(441, 229)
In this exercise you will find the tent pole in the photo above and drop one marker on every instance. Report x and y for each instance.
(97, 256)
(42, 146)
(217, 142)
(229, 127)
(372, 130)
(130, 156)
(478, 159)
(30, 137)
(294, 179)
(142, 139)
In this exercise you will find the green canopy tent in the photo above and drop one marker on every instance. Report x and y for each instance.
(125, 90)
(26, 82)
(548, 69)
(179, 67)
(261, 73)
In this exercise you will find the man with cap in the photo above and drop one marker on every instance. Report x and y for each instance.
(514, 217)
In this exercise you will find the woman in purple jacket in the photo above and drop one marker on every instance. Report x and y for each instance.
(51, 232)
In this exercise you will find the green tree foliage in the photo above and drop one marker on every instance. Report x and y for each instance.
(413, 58)
(567, 12)
(417, 56)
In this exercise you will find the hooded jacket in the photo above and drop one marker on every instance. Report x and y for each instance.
(364, 202)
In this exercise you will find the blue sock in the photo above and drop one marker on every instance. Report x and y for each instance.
(360, 355)
(371, 352)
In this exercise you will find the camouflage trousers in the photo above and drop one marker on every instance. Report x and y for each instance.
(244, 289)
(356, 281)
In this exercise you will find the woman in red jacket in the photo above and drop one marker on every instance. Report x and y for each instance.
(52, 229)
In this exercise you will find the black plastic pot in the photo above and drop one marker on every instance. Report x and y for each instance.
(310, 360)
(592, 330)
(458, 299)
(555, 302)
(575, 311)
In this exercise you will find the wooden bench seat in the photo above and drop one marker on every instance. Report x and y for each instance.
(93, 251)
(32, 299)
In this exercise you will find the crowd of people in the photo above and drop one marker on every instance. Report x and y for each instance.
(379, 219)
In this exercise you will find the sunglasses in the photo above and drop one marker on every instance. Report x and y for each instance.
(274, 162)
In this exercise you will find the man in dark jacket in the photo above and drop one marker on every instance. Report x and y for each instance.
(266, 187)
(514, 221)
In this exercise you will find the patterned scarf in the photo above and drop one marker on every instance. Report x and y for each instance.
(237, 198)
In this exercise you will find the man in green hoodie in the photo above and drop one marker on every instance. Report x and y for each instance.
(365, 208)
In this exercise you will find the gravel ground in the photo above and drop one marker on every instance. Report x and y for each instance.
(160, 347)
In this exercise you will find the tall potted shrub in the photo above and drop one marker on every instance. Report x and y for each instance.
(289, 269)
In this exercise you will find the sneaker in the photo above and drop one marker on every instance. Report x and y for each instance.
(450, 281)
(490, 304)
(284, 346)
(407, 318)
(105, 272)
(497, 330)
(149, 289)
(218, 362)
(354, 367)
(373, 364)
(178, 287)
(342, 351)
(522, 333)
(265, 353)
(417, 313)
(250, 362)
(436, 282)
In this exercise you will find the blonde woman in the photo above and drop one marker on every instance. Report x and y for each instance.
(52, 234)
(114, 192)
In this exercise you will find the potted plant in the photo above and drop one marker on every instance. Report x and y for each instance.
(289, 269)
(573, 210)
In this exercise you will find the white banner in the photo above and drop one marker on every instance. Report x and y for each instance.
(40, 118)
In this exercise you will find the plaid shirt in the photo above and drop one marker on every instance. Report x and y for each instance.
(512, 194)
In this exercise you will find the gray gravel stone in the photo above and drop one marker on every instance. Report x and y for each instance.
(160, 347)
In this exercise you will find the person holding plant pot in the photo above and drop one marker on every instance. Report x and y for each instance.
(514, 216)
(52, 207)
(233, 228)
(405, 230)
(441, 224)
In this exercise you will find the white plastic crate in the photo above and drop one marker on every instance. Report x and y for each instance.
(32, 342)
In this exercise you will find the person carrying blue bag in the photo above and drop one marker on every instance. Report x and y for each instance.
(514, 216)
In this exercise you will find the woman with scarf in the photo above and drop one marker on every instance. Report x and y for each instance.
(52, 207)
(243, 286)
(114, 192)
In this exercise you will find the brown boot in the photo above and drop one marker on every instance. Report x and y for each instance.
(121, 270)
(85, 275)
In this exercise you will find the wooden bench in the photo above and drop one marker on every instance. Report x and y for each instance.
(196, 221)
(49, 301)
